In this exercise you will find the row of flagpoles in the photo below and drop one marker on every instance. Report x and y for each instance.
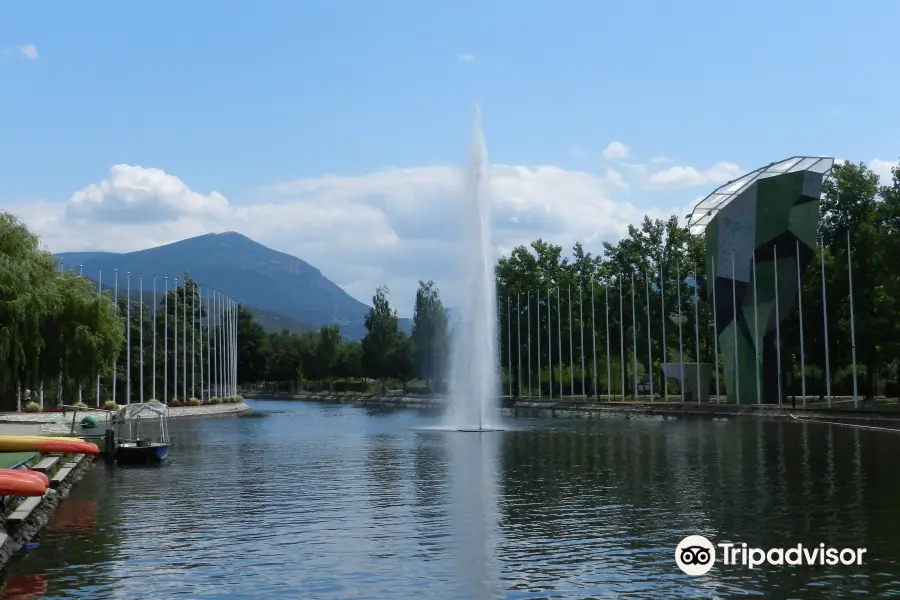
(217, 379)
(515, 302)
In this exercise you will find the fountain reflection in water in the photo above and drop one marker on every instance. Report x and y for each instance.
(475, 369)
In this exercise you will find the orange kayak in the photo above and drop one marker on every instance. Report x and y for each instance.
(13, 483)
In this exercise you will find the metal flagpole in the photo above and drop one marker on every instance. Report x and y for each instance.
(116, 303)
(559, 337)
(697, 330)
(226, 328)
(166, 346)
(234, 346)
(581, 328)
(128, 338)
(734, 329)
(649, 336)
(184, 378)
(99, 293)
(634, 340)
(571, 349)
(550, 340)
(80, 387)
(175, 348)
(665, 353)
(194, 341)
(509, 346)
(608, 363)
(680, 329)
(209, 345)
(215, 331)
(519, 343)
(141, 334)
(232, 349)
(825, 321)
(537, 301)
(802, 349)
(756, 331)
(199, 323)
(621, 336)
(154, 337)
(715, 330)
(594, 338)
(852, 324)
(528, 337)
(777, 324)
(223, 343)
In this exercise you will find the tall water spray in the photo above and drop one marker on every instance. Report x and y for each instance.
(475, 367)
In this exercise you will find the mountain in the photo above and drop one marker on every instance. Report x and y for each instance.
(281, 290)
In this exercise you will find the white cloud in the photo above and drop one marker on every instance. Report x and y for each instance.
(389, 227)
(26, 51)
(615, 178)
(883, 169)
(29, 51)
(688, 177)
(615, 150)
(465, 57)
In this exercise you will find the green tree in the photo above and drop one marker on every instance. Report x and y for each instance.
(381, 335)
(430, 333)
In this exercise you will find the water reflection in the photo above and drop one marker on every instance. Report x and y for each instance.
(474, 514)
(337, 501)
(24, 587)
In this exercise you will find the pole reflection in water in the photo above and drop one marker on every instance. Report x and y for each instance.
(474, 512)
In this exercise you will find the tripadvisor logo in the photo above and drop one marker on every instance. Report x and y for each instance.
(696, 555)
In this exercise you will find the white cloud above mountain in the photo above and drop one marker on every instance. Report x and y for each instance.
(393, 226)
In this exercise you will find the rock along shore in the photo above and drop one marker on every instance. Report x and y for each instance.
(210, 410)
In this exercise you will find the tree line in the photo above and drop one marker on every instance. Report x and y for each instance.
(608, 312)
(322, 360)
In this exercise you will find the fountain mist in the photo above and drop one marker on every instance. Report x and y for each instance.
(475, 370)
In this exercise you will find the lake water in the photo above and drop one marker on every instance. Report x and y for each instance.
(340, 501)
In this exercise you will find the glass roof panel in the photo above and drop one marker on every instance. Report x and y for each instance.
(707, 208)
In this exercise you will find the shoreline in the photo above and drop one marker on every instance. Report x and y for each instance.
(663, 409)
(176, 412)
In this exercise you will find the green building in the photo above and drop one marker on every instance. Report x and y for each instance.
(761, 233)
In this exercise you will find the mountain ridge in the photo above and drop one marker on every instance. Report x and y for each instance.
(273, 285)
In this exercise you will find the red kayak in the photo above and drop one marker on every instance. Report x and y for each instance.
(16, 482)
(26, 473)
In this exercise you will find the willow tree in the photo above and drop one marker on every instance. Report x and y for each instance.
(53, 326)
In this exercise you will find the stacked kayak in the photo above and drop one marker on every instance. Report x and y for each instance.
(19, 482)
(43, 444)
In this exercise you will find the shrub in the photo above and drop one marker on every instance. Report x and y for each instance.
(110, 405)
(194, 402)
(237, 399)
(80, 405)
(154, 401)
(32, 407)
(215, 400)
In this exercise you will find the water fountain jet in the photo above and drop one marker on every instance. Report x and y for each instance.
(475, 371)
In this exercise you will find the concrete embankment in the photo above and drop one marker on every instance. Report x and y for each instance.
(23, 520)
(175, 412)
(869, 416)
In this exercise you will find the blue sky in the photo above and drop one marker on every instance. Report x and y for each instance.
(359, 111)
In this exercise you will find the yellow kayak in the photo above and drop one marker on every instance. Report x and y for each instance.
(37, 443)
